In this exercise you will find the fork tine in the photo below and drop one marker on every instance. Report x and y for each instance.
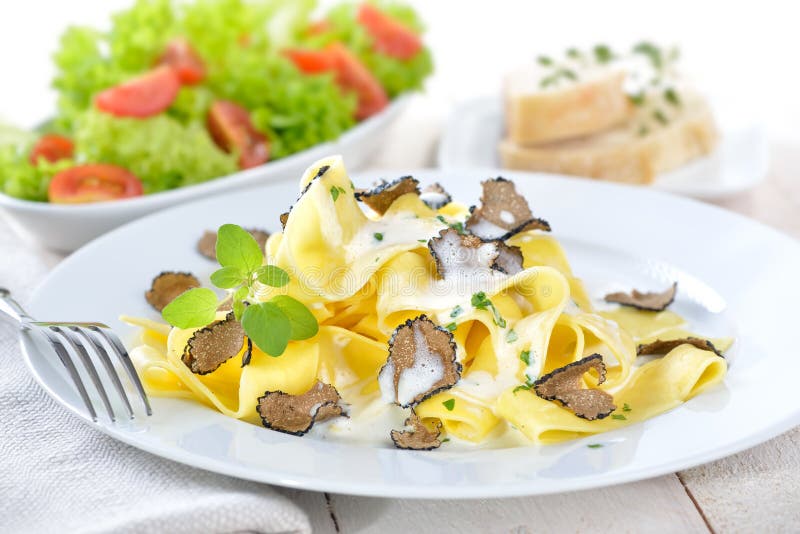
(80, 350)
(109, 367)
(122, 354)
(63, 355)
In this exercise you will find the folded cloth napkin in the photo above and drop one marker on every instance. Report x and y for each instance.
(59, 475)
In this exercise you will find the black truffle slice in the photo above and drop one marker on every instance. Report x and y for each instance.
(418, 438)
(458, 254)
(645, 301)
(503, 212)
(435, 196)
(664, 346)
(421, 363)
(167, 286)
(207, 245)
(381, 197)
(565, 385)
(509, 259)
(296, 414)
(210, 347)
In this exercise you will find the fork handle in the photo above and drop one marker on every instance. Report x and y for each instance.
(10, 309)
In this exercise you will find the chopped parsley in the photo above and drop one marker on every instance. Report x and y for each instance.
(525, 387)
(511, 336)
(422, 240)
(626, 408)
(456, 311)
(573, 53)
(445, 440)
(457, 226)
(378, 236)
(451, 326)
(336, 191)
(603, 54)
(651, 52)
(672, 96)
(557, 76)
(544, 61)
(449, 404)
(637, 99)
(618, 416)
(595, 445)
(481, 301)
(525, 356)
(660, 117)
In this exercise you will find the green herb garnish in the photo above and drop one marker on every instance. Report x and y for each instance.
(422, 240)
(660, 117)
(445, 440)
(270, 324)
(637, 99)
(336, 191)
(626, 408)
(456, 311)
(449, 404)
(378, 236)
(451, 327)
(481, 301)
(457, 226)
(672, 96)
(652, 52)
(524, 387)
(603, 54)
(595, 445)
(573, 53)
(643, 130)
(511, 336)
(618, 416)
(525, 356)
(544, 61)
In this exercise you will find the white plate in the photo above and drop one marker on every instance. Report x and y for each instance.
(65, 228)
(741, 161)
(735, 277)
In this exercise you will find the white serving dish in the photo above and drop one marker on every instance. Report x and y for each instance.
(736, 277)
(64, 228)
(740, 162)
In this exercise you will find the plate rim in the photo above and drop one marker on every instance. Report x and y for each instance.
(315, 483)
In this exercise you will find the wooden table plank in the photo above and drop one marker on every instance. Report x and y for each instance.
(659, 504)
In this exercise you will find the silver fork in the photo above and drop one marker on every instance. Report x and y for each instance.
(82, 338)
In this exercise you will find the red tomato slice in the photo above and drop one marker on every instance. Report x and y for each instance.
(311, 61)
(93, 182)
(231, 128)
(143, 96)
(391, 37)
(351, 75)
(52, 147)
(185, 61)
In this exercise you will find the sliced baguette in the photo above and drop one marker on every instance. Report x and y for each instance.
(625, 153)
(595, 102)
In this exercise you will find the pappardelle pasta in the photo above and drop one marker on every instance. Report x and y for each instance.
(432, 322)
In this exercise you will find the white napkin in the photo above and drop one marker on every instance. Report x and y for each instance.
(59, 475)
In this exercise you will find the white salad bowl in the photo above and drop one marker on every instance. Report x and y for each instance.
(66, 227)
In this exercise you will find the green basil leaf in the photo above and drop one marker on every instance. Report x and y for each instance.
(267, 326)
(228, 277)
(272, 275)
(192, 309)
(304, 324)
(237, 248)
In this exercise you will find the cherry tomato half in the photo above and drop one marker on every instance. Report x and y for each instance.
(390, 36)
(143, 96)
(231, 128)
(351, 75)
(93, 182)
(185, 61)
(52, 147)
